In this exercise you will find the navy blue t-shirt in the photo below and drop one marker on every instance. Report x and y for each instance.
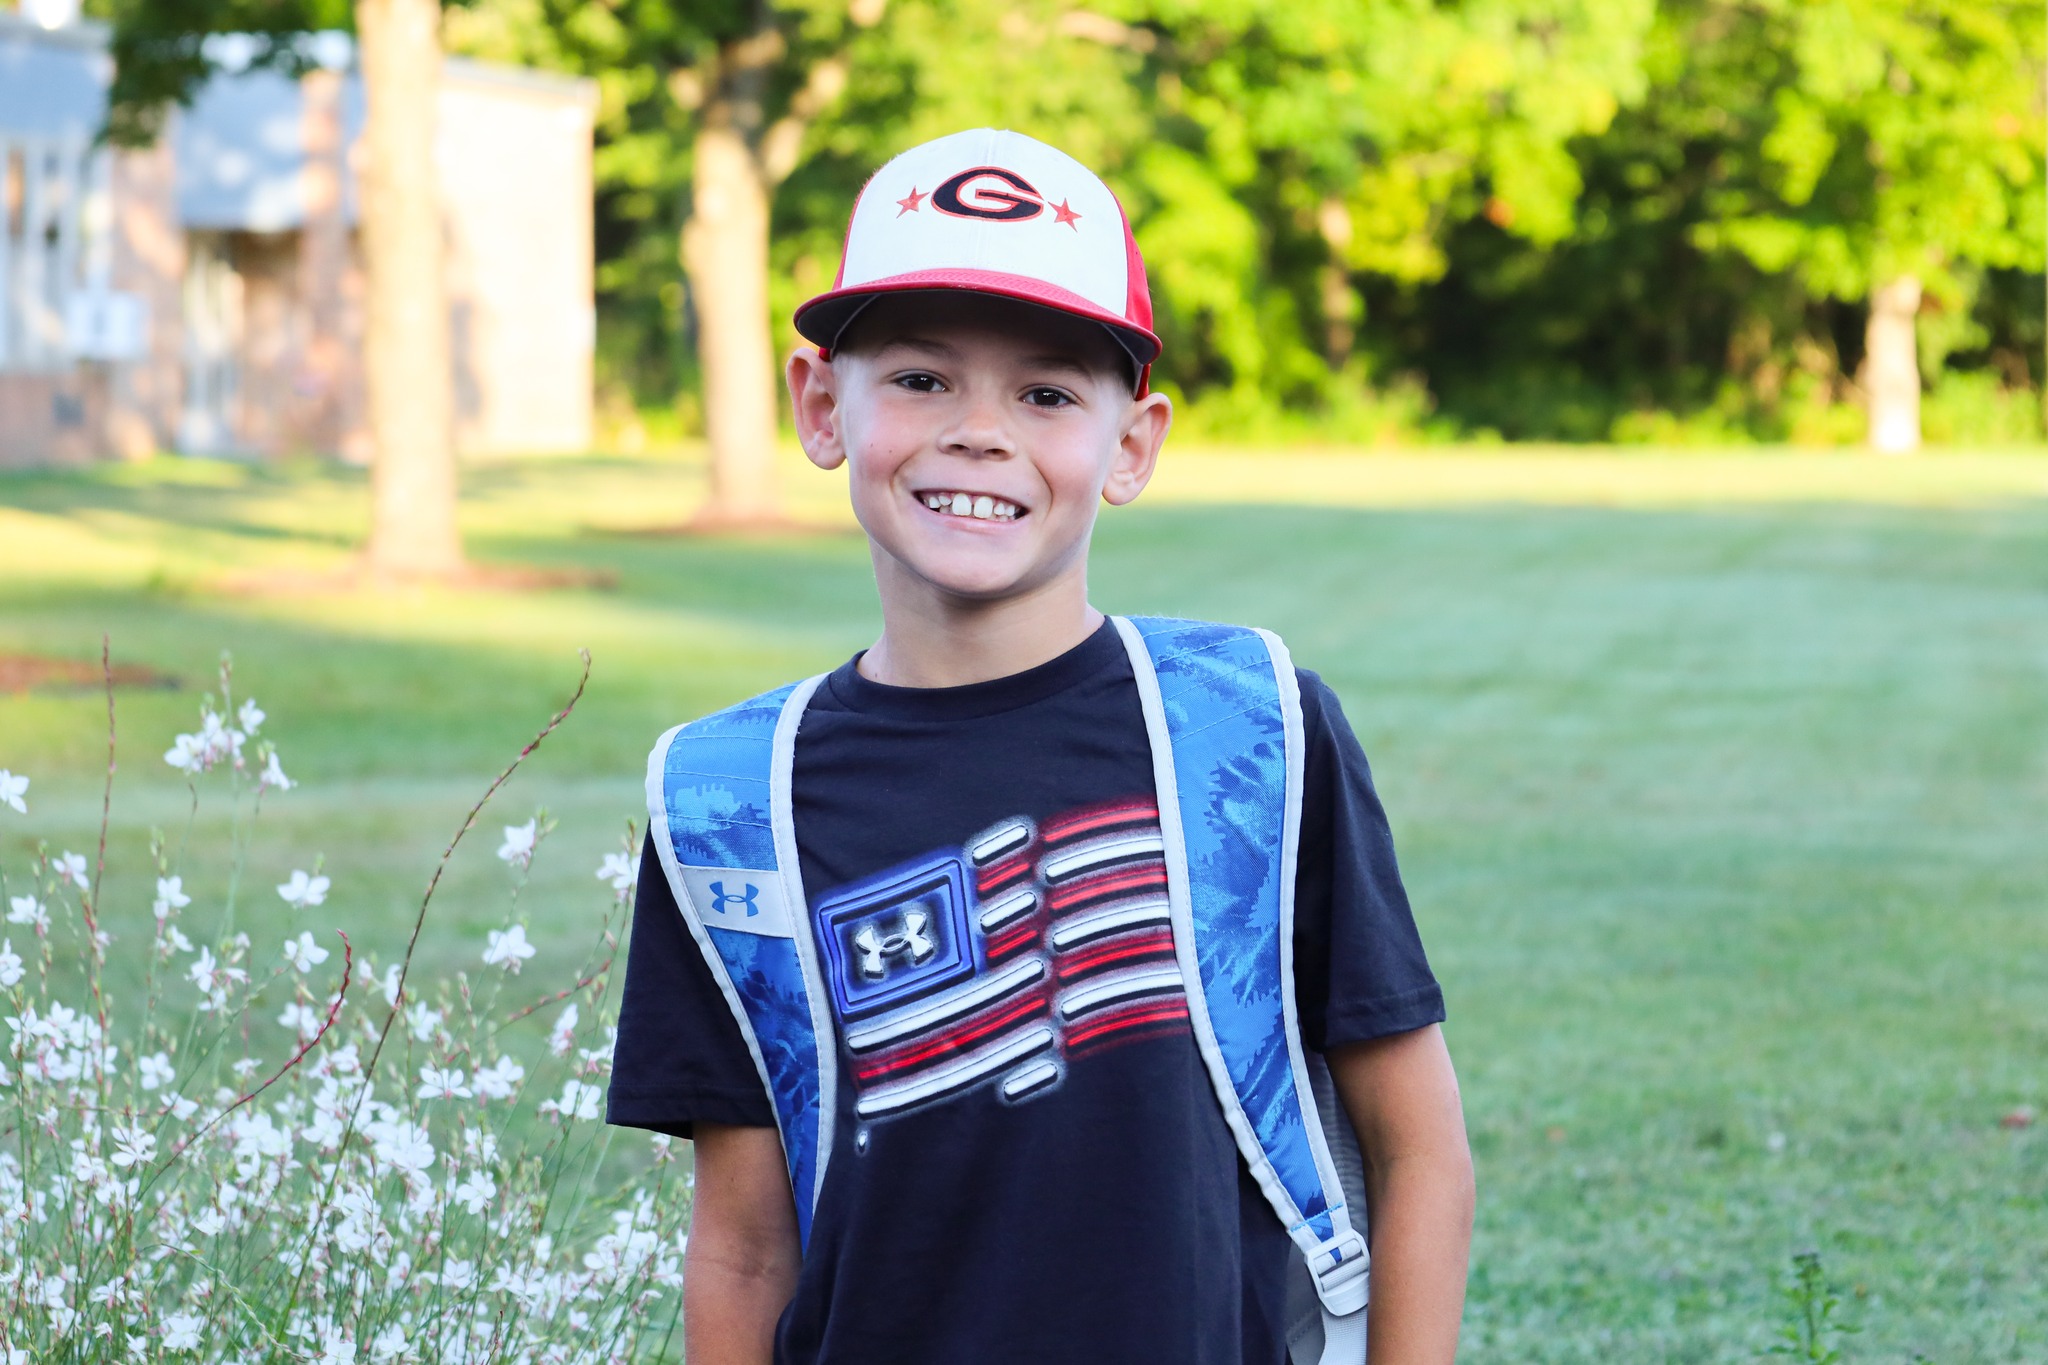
(1010, 1184)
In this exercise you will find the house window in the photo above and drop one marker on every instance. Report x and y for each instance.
(54, 245)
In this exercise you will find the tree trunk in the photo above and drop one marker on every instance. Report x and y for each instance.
(1891, 367)
(725, 251)
(413, 531)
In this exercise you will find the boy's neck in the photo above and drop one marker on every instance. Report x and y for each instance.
(930, 641)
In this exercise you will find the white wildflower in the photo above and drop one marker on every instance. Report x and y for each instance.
(480, 1143)
(273, 775)
(303, 953)
(181, 1332)
(389, 1344)
(458, 1274)
(154, 1071)
(27, 910)
(618, 869)
(186, 754)
(251, 715)
(133, 1147)
(404, 1146)
(476, 1191)
(303, 890)
(509, 947)
(204, 970)
(499, 1080)
(170, 895)
(422, 1021)
(71, 868)
(437, 1084)
(563, 1037)
(388, 984)
(181, 1108)
(519, 841)
(12, 789)
(300, 1016)
(578, 1101)
(10, 965)
(175, 936)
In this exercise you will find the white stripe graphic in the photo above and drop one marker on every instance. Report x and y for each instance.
(1122, 915)
(1122, 986)
(1006, 908)
(968, 1070)
(1008, 981)
(1002, 841)
(1100, 851)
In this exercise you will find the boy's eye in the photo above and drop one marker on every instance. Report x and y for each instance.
(918, 382)
(1047, 397)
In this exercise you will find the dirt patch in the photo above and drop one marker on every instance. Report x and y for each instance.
(23, 673)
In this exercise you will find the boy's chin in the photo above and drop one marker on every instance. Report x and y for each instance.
(979, 583)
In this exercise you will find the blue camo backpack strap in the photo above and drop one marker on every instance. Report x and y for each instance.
(1223, 711)
(718, 799)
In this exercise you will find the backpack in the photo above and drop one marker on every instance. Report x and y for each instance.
(1223, 715)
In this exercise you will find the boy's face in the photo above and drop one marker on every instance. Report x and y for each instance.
(981, 436)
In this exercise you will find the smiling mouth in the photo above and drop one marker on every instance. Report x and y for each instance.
(975, 506)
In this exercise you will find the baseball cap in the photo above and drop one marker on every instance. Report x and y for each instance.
(991, 212)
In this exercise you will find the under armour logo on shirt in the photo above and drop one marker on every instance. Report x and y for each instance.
(720, 898)
(876, 951)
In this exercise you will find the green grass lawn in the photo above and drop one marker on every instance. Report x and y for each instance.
(1721, 783)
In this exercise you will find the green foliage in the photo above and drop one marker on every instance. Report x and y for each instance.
(1574, 219)
(1810, 1334)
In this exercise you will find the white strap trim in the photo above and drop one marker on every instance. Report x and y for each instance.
(782, 820)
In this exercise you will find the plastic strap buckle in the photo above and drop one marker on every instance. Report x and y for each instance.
(1338, 1267)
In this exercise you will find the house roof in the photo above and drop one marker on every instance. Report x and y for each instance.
(53, 82)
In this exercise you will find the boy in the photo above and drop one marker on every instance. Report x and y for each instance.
(934, 1027)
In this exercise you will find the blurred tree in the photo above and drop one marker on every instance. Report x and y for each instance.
(1575, 217)
(162, 56)
(740, 83)
(1892, 154)
(1304, 147)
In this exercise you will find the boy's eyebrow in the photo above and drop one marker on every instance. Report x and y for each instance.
(924, 344)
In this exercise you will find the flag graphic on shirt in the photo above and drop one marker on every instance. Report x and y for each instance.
(1001, 962)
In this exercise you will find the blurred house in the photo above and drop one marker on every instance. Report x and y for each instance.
(206, 295)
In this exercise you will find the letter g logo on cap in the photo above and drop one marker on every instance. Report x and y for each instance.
(971, 195)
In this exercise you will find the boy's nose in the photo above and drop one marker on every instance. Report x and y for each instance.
(977, 428)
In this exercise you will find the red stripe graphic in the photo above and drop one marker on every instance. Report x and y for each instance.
(1011, 940)
(998, 875)
(958, 1038)
(1121, 880)
(1122, 948)
(1097, 818)
(1134, 1015)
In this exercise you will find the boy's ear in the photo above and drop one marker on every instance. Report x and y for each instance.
(1137, 449)
(814, 398)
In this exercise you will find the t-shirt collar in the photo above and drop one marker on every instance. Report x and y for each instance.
(969, 701)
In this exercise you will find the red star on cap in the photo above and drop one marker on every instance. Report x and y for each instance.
(909, 203)
(1062, 214)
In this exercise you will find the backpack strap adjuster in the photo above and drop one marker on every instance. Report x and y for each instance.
(1339, 1268)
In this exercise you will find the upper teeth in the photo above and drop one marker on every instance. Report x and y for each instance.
(980, 506)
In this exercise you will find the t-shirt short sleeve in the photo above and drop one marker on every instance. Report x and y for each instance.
(1360, 971)
(680, 1057)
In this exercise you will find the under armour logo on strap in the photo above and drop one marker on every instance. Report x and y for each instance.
(720, 898)
(876, 952)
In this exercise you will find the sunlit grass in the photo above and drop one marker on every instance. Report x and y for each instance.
(1720, 780)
